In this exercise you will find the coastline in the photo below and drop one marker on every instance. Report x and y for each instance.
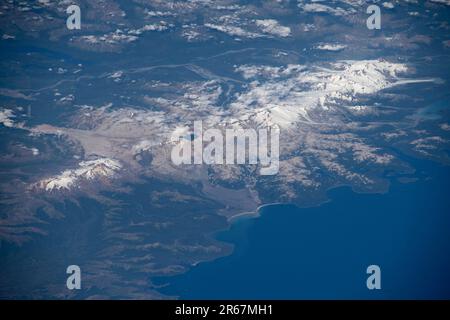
(255, 214)
(301, 235)
(252, 214)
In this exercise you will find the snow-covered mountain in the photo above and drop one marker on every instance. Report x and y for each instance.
(284, 95)
(90, 170)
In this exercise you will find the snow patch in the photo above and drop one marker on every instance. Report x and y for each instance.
(87, 171)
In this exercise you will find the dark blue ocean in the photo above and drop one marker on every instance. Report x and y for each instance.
(323, 252)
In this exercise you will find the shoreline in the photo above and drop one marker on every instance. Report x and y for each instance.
(255, 214)
(252, 214)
